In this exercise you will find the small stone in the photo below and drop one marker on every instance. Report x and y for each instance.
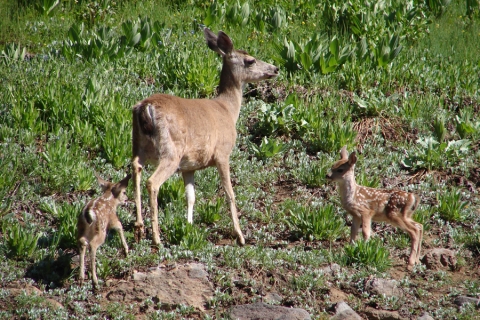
(440, 258)
(375, 314)
(386, 287)
(139, 276)
(344, 312)
(463, 300)
(265, 311)
(425, 316)
(331, 269)
(272, 297)
(197, 271)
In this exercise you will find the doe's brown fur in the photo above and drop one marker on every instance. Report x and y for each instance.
(186, 135)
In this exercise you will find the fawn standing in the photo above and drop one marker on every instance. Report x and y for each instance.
(186, 135)
(96, 218)
(366, 204)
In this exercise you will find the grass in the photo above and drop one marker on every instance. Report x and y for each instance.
(404, 94)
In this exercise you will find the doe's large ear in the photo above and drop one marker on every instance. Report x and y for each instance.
(344, 153)
(212, 40)
(352, 159)
(224, 42)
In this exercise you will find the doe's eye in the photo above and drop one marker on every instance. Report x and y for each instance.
(339, 170)
(249, 62)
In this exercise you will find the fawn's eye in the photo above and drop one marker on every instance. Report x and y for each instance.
(339, 170)
(249, 62)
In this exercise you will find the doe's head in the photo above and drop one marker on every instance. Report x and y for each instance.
(243, 65)
(343, 167)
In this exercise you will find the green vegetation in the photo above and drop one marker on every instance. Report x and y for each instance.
(370, 253)
(396, 80)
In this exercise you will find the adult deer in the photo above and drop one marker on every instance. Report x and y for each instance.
(366, 204)
(186, 135)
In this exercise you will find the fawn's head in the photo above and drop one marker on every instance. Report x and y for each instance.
(343, 167)
(118, 190)
(243, 66)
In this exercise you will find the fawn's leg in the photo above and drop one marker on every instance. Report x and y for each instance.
(366, 226)
(356, 226)
(93, 265)
(188, 180)
(419, 227)
(117, 225)
(224, 170)
(407, 225)
(82, 248)
(413, 228)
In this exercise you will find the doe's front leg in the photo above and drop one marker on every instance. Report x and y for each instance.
(137, 177)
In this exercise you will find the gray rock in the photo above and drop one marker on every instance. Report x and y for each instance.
(463, 300)
(197, 270)
(344, 312)
(262, 311)
(374, 314)
(440, 258)
(185, 284)
(331, 269)
(425, 316)
(386, 287)
(272, 297)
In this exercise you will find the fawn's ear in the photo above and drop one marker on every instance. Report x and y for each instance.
(124, 182)
(352, 159)
(104, 184)
(344, 153)
(120, 186)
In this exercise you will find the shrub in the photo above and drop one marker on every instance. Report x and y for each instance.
(319, 223)
(268, 148)
(66, 215)
(210, 211)
(20, 241)
(451, 206)
(371, 253)
(432, 155)
(179, 232)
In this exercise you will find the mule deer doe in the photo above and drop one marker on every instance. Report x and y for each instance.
(96, 218)
(192, 134)
(366, 204)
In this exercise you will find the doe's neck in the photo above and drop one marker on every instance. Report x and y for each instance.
(230, 90)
